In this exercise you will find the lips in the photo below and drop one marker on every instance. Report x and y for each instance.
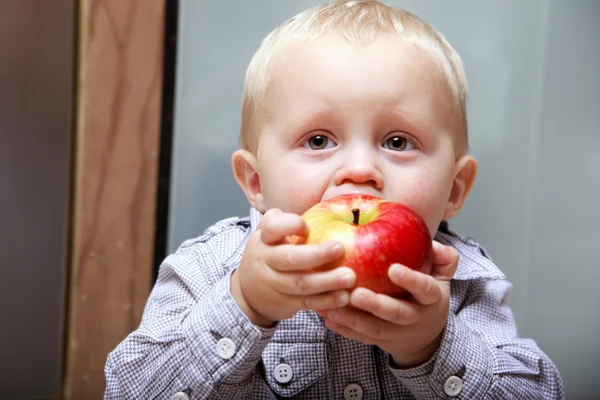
(351, 190)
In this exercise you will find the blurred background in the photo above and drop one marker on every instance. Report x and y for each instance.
(534, 114)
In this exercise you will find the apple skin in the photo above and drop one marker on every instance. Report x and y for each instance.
(387, 233)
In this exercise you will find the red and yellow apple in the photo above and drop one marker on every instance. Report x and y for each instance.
(375, 234)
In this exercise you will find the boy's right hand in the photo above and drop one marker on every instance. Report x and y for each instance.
(272, 282)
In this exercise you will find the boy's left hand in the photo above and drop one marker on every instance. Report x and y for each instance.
(410, 330)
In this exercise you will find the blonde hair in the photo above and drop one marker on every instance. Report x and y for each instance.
(359, 22)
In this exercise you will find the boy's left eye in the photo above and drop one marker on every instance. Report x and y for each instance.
(398, 143)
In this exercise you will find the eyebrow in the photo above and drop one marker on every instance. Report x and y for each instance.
(410, 119)
(307, 116)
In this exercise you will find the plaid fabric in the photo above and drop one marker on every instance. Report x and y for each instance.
(190, 309)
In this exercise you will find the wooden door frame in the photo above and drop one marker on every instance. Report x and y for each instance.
(117, 131)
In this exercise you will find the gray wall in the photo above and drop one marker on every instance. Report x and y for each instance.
(36, 85)
(534, 113)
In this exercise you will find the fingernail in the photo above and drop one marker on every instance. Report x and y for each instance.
(347, 280)
(343, 298)
(396, 271)
(360, 299)
(437, 246)
(337, 250)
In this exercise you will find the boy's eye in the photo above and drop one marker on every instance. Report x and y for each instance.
(318, 142)
(398, 143)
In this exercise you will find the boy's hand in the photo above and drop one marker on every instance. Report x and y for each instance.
(408, 329)
(272, 282)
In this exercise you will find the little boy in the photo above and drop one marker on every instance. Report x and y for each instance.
(348, 97)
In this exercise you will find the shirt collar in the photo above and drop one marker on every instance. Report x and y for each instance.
(472, 263)
(255, 217)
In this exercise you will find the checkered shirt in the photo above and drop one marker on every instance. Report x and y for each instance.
(174, 351)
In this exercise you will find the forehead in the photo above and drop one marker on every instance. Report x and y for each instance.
(331, 72)
(331, 57)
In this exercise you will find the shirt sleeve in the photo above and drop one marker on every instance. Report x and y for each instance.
(193, 337)
(481, 356)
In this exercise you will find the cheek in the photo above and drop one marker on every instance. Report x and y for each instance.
(291, 188)
(301, 199)
(428, 197)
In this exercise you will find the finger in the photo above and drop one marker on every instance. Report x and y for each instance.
(364, 324)
(395, 311)
(323, 301)
(424, 288)
(275, 226)
(445, 262)
(302, 283)
(348, 333)
(289, 257)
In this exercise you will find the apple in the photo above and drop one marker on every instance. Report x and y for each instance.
(375, 234)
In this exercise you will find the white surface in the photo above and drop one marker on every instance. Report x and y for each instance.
(534, 117)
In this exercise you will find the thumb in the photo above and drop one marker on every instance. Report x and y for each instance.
(444, 260)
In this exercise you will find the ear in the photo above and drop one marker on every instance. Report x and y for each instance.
(465, 172)
(246, 175)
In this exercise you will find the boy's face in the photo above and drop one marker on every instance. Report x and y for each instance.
(348, 119)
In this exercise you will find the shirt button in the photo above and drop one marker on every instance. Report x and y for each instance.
(453, 386)
(180, 396)
(283, 373)
(353, 392)
(225, 348)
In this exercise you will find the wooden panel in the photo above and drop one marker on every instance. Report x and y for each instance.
(118, 123)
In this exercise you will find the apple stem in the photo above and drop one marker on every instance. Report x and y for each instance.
(356, 213)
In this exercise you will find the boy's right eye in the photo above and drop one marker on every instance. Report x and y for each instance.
(319, 142)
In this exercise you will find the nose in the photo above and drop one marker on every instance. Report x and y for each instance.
(359, 167)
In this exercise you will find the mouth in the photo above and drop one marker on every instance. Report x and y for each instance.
(341, 191)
